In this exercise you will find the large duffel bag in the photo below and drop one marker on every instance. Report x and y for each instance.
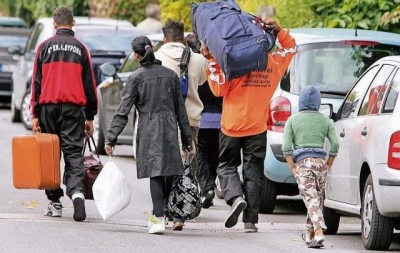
(235, 38)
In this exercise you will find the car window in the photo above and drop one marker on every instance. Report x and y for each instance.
(373, 99)
(105, 39)
(350, 104)
(33, 38)
(332, 66)
(10, 40)
(393, 93)
(130, 64)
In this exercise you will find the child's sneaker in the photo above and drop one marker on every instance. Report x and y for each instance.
(156, 225)
(54, 209)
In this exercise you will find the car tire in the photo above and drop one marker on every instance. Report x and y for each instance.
(100, 141)
(332, 220)
(25, 113)
(268, 196)
(376, 229)
(15, 114)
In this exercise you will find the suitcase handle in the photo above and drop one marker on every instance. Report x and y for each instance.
(89, 138)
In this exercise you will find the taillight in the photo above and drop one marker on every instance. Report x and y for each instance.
(279, 112)
(394, 151)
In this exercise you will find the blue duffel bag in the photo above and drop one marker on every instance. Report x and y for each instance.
(235, 38)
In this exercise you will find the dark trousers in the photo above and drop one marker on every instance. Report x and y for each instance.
(68, 122)
(254, 151)
(207, 159)
(160, 188)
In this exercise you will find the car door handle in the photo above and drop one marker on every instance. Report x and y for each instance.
(342, 134)
(364, 132)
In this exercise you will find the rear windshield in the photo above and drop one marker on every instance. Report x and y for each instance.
(332, 66)
(108, 39)
(9, 40)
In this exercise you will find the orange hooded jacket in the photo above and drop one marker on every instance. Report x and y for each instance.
(246, 99)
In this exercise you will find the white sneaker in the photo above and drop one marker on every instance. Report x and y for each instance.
(156, 225)
(54, 209)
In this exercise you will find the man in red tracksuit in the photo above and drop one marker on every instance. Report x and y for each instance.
(64, 102)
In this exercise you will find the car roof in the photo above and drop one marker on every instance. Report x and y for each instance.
(310, 35)
(12, 22)
(90, 21)
(395, 58)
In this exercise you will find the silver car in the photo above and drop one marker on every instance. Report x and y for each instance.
(365, 177)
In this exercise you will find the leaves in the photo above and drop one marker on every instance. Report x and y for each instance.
(30, 205)
(366, 14)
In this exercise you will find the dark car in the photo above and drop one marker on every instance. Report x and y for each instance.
(109, 93)
(108, 40)
(9, 37)
(13, 22)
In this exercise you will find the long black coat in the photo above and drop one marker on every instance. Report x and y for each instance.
(155, 91)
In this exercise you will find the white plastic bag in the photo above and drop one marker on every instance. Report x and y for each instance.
(111, 191)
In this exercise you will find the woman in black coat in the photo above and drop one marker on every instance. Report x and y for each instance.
(155, 91)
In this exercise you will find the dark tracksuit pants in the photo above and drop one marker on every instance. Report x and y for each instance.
(254, 151)
(207, 159)
(68, 122)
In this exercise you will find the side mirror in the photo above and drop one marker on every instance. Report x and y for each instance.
(15, 50)
(326, 109)
(108, 69)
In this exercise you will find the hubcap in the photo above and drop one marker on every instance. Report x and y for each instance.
(367, 211)
(26, 114)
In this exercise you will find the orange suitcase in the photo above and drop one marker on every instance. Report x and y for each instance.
(36, 161)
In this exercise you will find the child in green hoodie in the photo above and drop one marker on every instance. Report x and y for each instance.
(304, 138)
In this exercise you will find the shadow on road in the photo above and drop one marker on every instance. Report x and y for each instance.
(289, 206)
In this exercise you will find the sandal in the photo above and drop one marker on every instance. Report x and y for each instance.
(305, 239)
(315, 244)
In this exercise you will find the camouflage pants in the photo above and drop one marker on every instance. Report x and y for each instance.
(311, 179)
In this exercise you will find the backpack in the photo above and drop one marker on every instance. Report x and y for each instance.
(236, 39)
(184, 199)
(184, 67)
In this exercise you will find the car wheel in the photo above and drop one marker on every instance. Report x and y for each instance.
(218, 191)
(15, 114)
(332, 220)
(376, 229)
(100, 141)
(26, 117)
(268, 196)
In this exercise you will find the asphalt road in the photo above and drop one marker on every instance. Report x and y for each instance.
(24, 229)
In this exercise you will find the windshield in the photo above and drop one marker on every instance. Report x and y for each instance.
(8, 40)
(106, 39)
(332, 67)
(130, 64)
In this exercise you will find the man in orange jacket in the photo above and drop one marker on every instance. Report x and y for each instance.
(244, 126)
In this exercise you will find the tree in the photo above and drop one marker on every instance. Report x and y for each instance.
(131, 10)
(180, 10)
(293, 13)
(380, 15)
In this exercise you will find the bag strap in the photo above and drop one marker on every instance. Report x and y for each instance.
(186, 165)
(185, 59)
(88, 139)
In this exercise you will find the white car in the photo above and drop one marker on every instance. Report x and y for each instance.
(365, 177)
